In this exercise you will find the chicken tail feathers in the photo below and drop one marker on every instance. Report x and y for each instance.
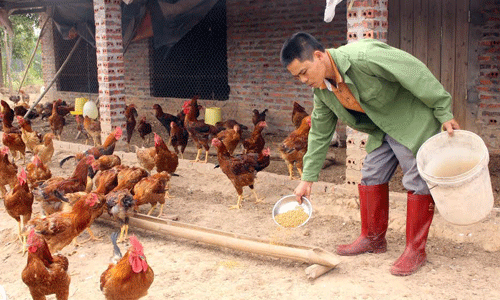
(65, 159)
(116, 250)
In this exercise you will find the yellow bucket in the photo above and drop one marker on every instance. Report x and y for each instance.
(212, 115)
(79, 102)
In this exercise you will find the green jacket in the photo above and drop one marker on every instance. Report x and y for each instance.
(398, 93)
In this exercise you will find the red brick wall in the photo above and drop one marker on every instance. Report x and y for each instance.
(256, 32)
(488, 85)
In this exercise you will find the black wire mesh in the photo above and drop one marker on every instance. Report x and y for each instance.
(197, 64)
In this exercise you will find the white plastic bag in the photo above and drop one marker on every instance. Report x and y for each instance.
(330, 9)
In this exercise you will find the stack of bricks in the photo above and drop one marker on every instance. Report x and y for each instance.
(365, 19)
(110, 65)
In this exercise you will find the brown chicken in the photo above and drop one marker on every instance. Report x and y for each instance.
(152, 190)
(18, 203)
(51, 192)
(61, 228)
(198, 131)
(106, 162)
(120, 205)
(298, 113)
(294, 147)
(79, 127)
(129, 176)
(144, 129)
(258, 116)
(30, 137)
(93, 128)
(165, 160)
(130, 115)
(128, 277)
(230, 138)
(255, 143)
(106, 149)
(37, 171)
(15, 143)
(105, 181)
(8, 171)
(179, 137)
(45, 274)
(56, 121)
(241, 169)
(165, 118)
(8, 118)
(46, 149)
(146, 157)
(229, 124)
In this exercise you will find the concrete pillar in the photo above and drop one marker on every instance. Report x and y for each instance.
(366, 19)
(110, 65)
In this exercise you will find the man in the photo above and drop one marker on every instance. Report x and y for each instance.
(389, 94)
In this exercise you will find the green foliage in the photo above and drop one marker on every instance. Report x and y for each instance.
(26, 31)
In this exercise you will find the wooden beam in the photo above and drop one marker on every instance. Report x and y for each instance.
(406, 40)
(434, 38)
(420, 26)
(448, 53)
(394, 20)
(461, 58)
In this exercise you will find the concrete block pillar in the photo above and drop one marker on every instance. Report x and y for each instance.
(366, 19)
(110, 65)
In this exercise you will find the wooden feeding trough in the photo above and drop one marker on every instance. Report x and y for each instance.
(322, 261)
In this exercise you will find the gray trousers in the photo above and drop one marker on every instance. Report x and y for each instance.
(380, 164)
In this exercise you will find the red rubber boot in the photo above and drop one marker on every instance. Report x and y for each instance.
(374, 209)
(419, 216)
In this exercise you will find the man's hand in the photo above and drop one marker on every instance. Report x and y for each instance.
(450, 126)
(303, 189)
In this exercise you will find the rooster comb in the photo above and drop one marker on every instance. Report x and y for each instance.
(136, 244)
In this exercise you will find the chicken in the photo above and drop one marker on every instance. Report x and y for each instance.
(130, 115)
(144, 129)
(128, 177)
(298, 113)
(93, 128)
(229, 124)
(22, 108)
(241, 169)
(8, 118)
(186, 106)
(61, 228)
(152, 190)
(165, 118)
(230, 138)
(129, 277)
(146, 157)
(45, 274)
(18, 203)
(294, 147)
(37, 171)
(56, 121)
(255, 143)
(106, 162)
(179, 137)
(63, 108)
(105, 181)
(257, 116)
(30, 137)
(46, 149)
(165, 160)
(80, 128)
(106, 149)
(17, 147)
(8, 171)
(52, 191)
(120, 206)
(198, 131)
(46, 110)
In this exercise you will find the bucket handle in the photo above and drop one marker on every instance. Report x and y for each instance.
(430, 188)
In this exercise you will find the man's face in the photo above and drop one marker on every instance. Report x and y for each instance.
(309, 72)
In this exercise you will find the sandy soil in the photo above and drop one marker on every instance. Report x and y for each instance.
(190, 270)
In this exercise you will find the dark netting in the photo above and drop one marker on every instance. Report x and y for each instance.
(197, 64)
(80, 73)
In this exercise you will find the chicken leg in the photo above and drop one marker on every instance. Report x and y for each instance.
(123, 233)
(238, 204)
(92, 237)
(257, 199)
(290, 170)
(206, 156)
(197, 159)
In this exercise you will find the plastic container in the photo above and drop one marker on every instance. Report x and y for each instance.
(79, 103)
(456, 171)
(90, 110)
(213, 115)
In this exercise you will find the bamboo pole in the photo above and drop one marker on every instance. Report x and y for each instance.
(55, 77)
(312, 255)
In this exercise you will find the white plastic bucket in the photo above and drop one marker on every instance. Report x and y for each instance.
(456, 171)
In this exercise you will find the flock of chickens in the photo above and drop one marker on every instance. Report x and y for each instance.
(101, 183)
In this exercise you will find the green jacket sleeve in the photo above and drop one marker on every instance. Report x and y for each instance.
(396, 65)
(323, 123)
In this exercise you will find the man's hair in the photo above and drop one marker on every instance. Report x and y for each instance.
(299, 46)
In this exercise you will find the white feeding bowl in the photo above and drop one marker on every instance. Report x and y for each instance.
(288, 203)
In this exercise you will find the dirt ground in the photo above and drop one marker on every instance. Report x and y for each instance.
(458, 265)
